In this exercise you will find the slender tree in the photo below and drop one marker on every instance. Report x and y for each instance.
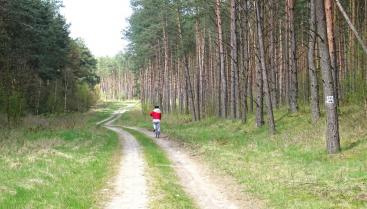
(293, 82)
(329, 11)
(264, 71)
(332, 125)
(222, 77)
(234, 62)
(314, 88)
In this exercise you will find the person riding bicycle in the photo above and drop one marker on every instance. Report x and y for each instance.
(156, 115)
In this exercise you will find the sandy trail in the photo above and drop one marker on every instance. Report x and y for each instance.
(129, 186)
(209, 192)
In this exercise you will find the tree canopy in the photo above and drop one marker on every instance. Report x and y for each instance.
(42, 69)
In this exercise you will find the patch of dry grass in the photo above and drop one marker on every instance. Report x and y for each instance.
(59, 161)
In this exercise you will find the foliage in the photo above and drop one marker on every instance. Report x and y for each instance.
(40, 64)
(146, 25)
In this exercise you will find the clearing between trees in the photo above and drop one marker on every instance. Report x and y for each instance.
(130, 191)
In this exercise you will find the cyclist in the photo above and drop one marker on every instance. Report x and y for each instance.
(156, 116)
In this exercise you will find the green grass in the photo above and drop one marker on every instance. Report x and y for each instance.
(59, 161)
(165, 191)
(288, 170)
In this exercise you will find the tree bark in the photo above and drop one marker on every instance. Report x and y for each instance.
(259, 92)
(166, 81)
(245, 59)
(273, 57)
(314, 87)
(331, 42)
(223, 77)
(293, 83)
(332, 128)
(66, 86)
(200, 66)
(234, 62)
(261, 51)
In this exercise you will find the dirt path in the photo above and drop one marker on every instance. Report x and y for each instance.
(130, 187)
(208, 190)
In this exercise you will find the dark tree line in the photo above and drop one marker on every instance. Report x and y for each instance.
(42, 70)
(234, 57)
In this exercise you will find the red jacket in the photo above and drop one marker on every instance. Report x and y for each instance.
(156, 115)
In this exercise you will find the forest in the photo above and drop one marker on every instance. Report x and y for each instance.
(262, 104)
(42, 69)
(118, 81)
(237, 57)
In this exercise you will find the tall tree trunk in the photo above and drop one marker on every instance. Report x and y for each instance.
(261, 51)
(282, 94)
(293, 83)
(332, 128)
(223, 77)
(166, 81)
(199, 71)
(55, 98)
(332, 46)
(259, 92)
(314, 87)
(250, 89)
(66, 86)
(234, 56)
(39, 96)
(273, 57)
(245, 59)
(190, 94)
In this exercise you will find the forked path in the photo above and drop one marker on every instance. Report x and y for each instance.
(208, 190)
(129, 187)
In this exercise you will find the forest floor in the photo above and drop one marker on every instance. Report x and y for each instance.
(176, 179)
(288, 170)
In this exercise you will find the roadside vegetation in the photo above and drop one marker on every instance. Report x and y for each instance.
(165, 191)
(57, 161)
(288, 170)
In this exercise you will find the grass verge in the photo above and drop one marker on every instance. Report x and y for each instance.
(59, 161)
(165, 191)
(288, 170)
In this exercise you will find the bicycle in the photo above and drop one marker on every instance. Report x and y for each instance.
(157, 129)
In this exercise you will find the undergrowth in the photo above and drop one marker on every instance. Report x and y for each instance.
(56, 161)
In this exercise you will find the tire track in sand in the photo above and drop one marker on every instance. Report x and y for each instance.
(209, 192)
(129, 186)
